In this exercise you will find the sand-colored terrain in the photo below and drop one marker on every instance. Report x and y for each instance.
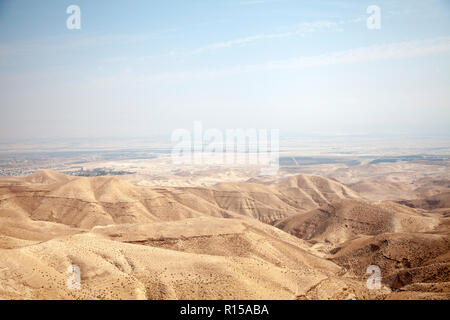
(300, 237)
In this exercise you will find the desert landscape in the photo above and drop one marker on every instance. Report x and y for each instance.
(294, 236)
(247, 150)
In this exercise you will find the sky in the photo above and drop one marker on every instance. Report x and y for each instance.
(144, 68)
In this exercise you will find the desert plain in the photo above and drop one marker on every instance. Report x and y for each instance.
(142, 228)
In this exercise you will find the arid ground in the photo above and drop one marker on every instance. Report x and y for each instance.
(296, 236)
(235, 150)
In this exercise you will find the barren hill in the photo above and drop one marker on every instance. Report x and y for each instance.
(219, 242)
(345, 219)
(438, 201)
(87, 202)
(413, 265)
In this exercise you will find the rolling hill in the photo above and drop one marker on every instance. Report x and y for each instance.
(302, 237)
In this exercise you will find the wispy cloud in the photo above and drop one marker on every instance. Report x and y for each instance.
(300, 29)
(297, 30)
(398, 50)
(252, 2)
(243, 41)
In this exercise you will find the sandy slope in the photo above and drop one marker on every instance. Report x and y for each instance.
(86, 202)
(347, 218)
(411, 247)
(134, 242)
(438, 201)
(194, 258)
(417, 263)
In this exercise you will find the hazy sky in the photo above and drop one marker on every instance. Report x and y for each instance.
(139, 68)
